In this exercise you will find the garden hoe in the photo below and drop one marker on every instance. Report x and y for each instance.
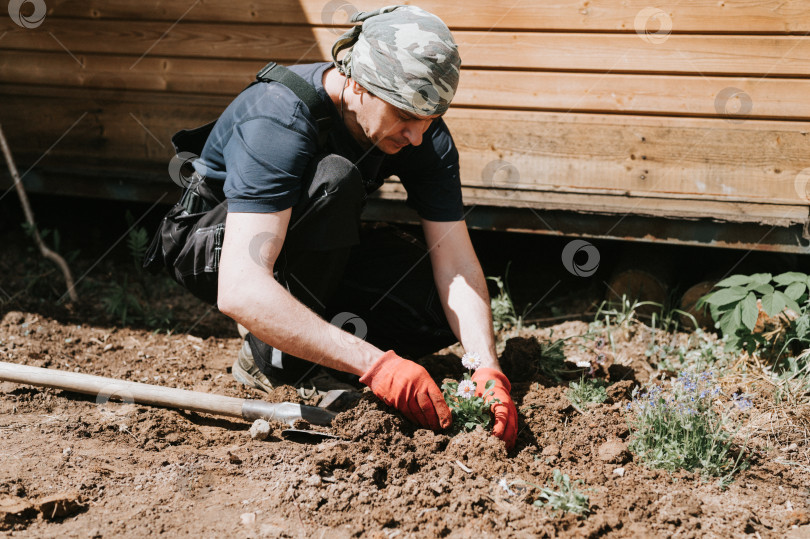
(152, 395)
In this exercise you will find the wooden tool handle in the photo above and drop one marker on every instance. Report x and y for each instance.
(106, 388)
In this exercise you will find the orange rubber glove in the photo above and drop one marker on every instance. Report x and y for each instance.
(505, 412)
(408, 387)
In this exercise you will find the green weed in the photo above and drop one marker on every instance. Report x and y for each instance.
(586, 391)
(565, 498)
(504, 314)
(793, 380)
(132, 300)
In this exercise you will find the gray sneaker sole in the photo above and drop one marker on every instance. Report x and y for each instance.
(243, 377)
(318, 385)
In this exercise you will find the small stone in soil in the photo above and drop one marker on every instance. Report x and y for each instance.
(248, 519)
(613, 451)
(552, 450)
(260, 429)
(314, 480)
(619, 472)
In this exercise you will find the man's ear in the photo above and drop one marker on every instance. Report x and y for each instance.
(355, 87)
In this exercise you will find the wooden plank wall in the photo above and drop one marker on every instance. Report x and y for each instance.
(691, 109)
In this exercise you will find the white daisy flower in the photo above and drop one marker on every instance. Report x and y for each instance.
(466, 389)
(471, 360)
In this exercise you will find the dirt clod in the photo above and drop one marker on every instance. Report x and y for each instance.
(15, 511)
(552, 450)
(60, 505)
(614, 452)
(620, 391)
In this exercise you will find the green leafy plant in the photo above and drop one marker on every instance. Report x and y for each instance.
(551, 361)
(504, 314)
(120, 302)
(621, 314)
(133, 299)
(734, 309)
(563, 496)
(679, 427)
(586, 391)
(793, 382)
(469, 411)
(137, 243)
(698, 351)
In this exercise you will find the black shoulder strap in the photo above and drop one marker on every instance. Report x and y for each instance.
(305, 92)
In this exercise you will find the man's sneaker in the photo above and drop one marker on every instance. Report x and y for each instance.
(246, 372)
(242, 330)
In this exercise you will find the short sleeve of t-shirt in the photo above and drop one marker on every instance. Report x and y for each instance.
(265, 144)
(430, 175)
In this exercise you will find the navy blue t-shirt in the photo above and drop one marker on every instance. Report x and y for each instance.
(263, 142)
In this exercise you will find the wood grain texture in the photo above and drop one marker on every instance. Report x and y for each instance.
(566, 92)
(623, 204)
(773, 16)
(649, 156)
(615, 53)
(508, 158)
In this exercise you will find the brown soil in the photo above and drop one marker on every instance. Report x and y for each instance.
(137, 470)
(72, 467)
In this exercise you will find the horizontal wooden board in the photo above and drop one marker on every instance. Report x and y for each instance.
(763, 162)
(694, 16)
(737, 97)
(738, 55)
(752, 161)
(739, 212)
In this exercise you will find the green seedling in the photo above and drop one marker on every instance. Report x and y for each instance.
(586, 391)
(565, 498)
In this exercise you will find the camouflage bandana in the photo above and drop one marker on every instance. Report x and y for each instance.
(403, 55)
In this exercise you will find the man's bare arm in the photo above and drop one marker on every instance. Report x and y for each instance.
(463, 290)
(462, 287)
(250, 295)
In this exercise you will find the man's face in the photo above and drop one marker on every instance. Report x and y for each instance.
(390, 128)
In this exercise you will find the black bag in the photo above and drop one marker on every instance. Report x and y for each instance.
(188, 241)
